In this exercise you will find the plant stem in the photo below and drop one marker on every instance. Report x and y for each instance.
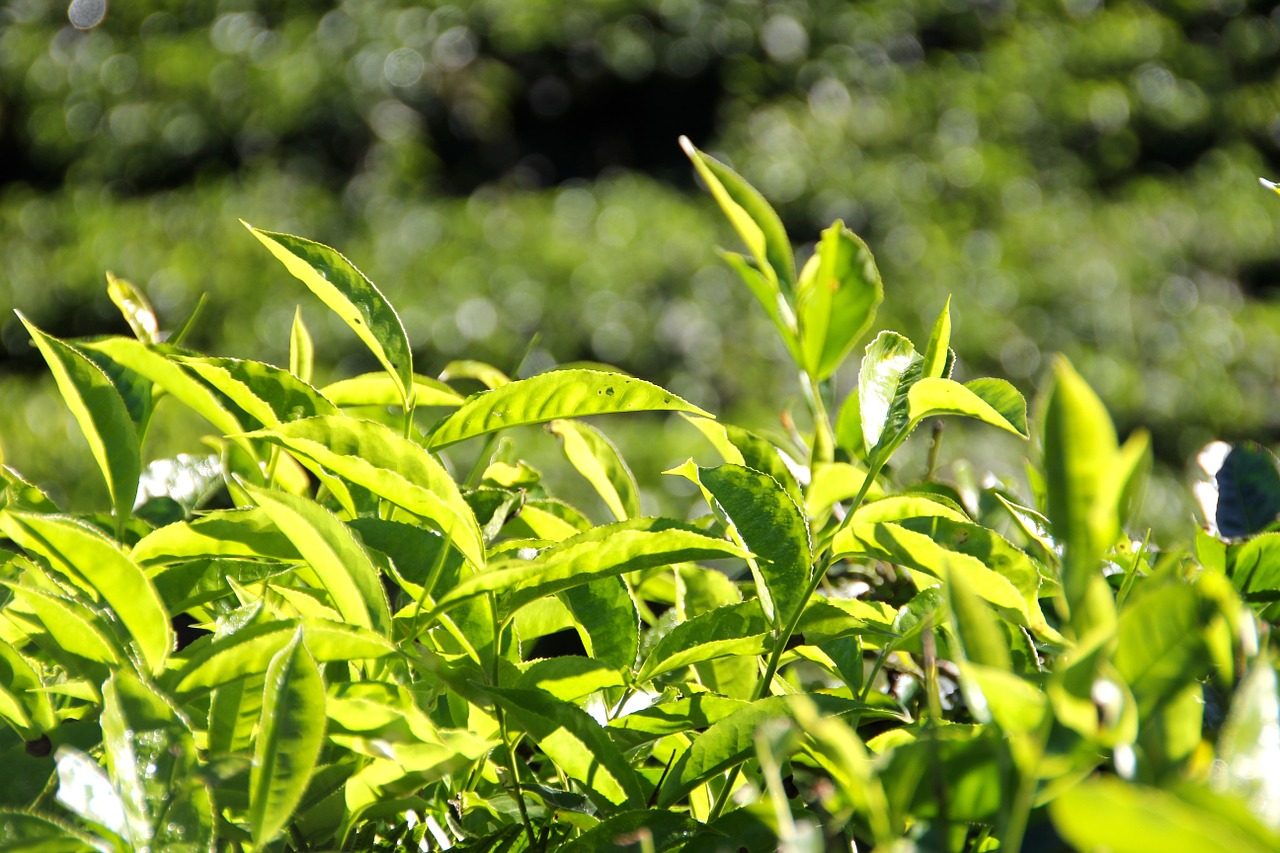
(502, 728)
(935, 445)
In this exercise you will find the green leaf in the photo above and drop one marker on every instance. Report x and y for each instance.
(395, 469)
(667, 718)
(765, 290)
(378, 389)
(1124, 818)
(646, 830)
(73, 628)
(32, 713)
(1254, 569)
(936, 353)
(552, 395)
(900, 507)
(334, 552)
(234, 710)
(576, 743)
(837, 296)
(731, 740)
(1243, 497)
(604, 614)
(992, 401)
(268, 394)
(151, 755)
(246, 652)
(889, 369)
(734, 629)
(1248, 763)
(604, 551)
(570, 677)
(352, 297)
(221, 533)
(158, 364)
(302, 350)
(896, 544)
(751, 216)
(23, 832)
(763, 519)
(1081, 461)
(96, 563)
(738, 446)
(135, 308)
(290, 734)
(597, 459)
(101, 414)
(1161, 648)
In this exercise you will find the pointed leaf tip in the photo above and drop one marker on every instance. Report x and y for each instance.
(687, 146)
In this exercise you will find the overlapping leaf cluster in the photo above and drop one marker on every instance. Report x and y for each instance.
(365, 634)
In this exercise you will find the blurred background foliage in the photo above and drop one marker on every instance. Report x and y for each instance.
(1080, 176)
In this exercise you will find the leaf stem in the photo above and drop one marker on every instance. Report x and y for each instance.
(502, 727)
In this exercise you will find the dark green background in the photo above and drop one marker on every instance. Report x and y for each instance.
(1081, 177)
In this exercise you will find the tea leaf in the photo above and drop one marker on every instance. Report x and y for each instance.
(734, 629)
(608, 550)
(269, 394)
(992, 401)
(290, 735)
(937, 352)
(751, 216)
(152, 757)
(548, 396)
(889, 369)
(604, 614)
(100, 413)
(135, 308)
(575, 742)
(596, 458)
(731, 740)
(94, 562)
(837, 296)
(334, 552)
(378, 389)
(302, 350)
(247, 651)
(765, 521)
(395, 469)
(1140, 819)
(352, 297)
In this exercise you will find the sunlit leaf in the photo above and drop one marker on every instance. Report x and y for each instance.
(378, 389)
(569, 677)
(889, 369)
(1140, 819)
(268, 394)
(767, 522)
(837, 296)
(290, 735)
(247, 651)
(604, 614)
(597, 459)
(575, 742)
(751, 216)
(734, 629)
(548, 396)
(91, 560)
(608, 550)
(23, 832)
(992, 401)
(395, 469)
(135, 308)
(731, 740)
(334, 552)
(355, 299)
(152, 759)
(100, 413)
(935, 354)
(1249, 746)
(85, 789)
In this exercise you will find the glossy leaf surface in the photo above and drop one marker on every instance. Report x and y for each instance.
(351, 296)
(567, 393)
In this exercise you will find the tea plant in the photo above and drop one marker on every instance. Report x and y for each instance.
(832, 657)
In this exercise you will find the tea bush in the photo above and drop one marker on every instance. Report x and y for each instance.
(361, 620)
